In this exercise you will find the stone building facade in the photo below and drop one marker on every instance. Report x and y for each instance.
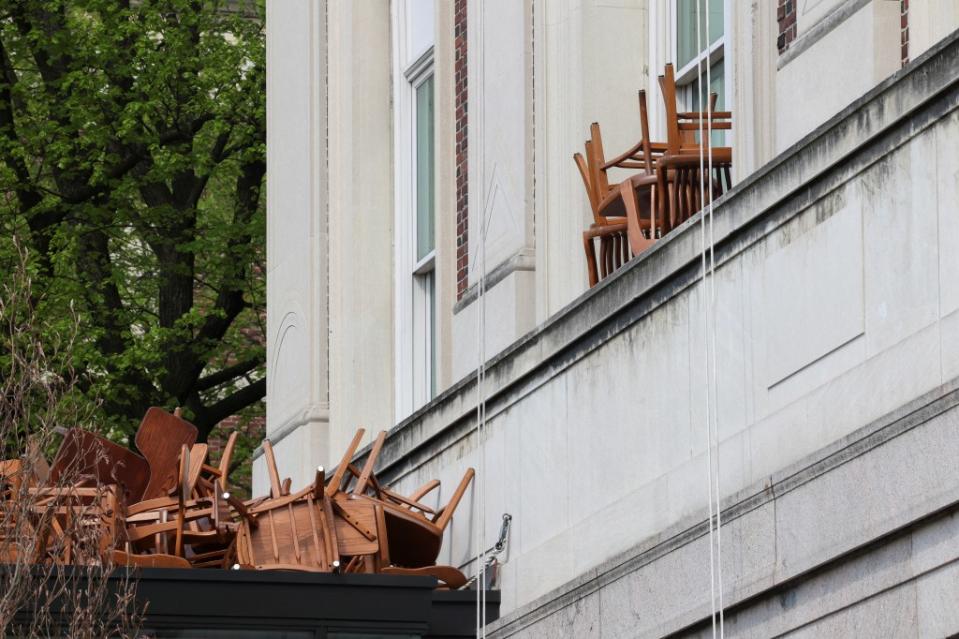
(425, 218)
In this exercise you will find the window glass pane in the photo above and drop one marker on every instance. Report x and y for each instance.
(698, 93)
(424, 169)
(717, 85)
(432, 330)
(686, 49)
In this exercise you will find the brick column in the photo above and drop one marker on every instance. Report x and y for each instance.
(786, 16)
(460, 91)
(904, 30)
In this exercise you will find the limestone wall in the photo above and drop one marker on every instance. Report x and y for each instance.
(836, 303)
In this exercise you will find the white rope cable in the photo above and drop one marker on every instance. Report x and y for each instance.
(480, 525)
(712, 361)
(703, 141)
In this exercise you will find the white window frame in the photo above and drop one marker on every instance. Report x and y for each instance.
(716, 51)
(414, 303)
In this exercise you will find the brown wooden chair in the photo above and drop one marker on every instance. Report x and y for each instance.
(609, 222)
(414, 531)
(196, 528)
(624, 213)
(680, 171)
(159, 439)
(75, 524)
(299, 531)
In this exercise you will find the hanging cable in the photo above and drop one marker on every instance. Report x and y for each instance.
(480, 526)
(703, 297)
(712, 336)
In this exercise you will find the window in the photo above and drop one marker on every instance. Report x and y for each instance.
(424, 270)
(693, 54)
(415, 216)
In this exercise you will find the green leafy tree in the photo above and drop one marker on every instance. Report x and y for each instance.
(132, 163)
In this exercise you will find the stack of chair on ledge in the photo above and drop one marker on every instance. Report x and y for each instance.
(351, 523)
(170, 507)
(662, 186)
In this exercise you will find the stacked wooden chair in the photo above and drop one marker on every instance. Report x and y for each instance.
(169, 507)
(662, 188)
(686, 163)
(348, 523)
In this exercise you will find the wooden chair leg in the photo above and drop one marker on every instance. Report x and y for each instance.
(603, 258)
(226, 458)
(443, 518)
(276, 488)
(590, 260)
(364, 478)
(637, 241)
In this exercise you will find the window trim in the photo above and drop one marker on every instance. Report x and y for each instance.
(414, 372)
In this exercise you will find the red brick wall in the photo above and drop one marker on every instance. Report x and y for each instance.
(904, 30)
(460, 92)
(786, 16)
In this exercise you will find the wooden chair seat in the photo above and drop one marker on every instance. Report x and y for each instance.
(121, 558)
(293, 531)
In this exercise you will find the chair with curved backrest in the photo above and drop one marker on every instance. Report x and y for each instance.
(159, 439)
(631, 202)
(683, 165)
(609, 224)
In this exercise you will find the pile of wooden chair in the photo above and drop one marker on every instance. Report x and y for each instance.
(663, 187)
(168, 506)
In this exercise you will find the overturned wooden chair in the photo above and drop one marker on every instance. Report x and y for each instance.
(301, 531)
(414, 531)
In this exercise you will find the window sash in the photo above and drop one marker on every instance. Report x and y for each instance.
(686, 28)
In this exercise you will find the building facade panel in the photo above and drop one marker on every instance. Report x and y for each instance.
(822, 352)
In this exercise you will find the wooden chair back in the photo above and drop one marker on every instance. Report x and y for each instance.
(160, 437)
(75, 524)
(88, 459)
(683, 127)
(592, 192)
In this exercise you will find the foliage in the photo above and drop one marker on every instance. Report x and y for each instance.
(46, 524)
(132, 159)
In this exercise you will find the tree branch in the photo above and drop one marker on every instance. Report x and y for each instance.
(227, 374)
(206, 418)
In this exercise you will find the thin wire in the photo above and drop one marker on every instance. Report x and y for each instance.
(480, 522)
(702, 232)
(481, 433)
(712, 308)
